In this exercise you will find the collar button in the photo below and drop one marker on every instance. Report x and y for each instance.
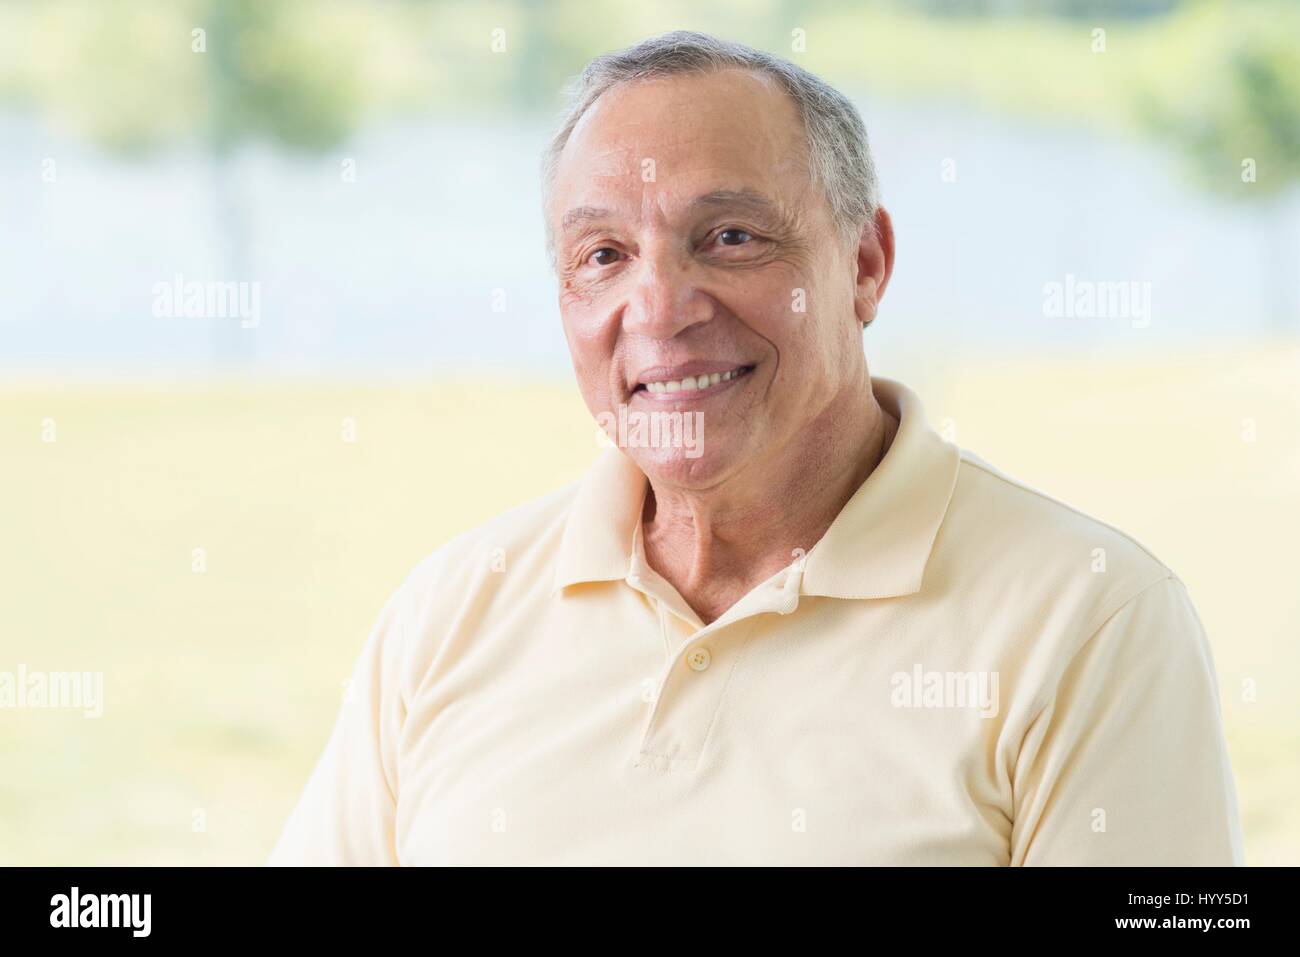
(698, 659)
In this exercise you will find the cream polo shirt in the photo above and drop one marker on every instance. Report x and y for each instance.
(962, 671)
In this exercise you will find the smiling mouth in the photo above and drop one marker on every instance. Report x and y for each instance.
(690, 385)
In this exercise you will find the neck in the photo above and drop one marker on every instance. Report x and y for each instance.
(715, 545)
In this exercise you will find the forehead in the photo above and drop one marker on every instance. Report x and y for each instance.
(680, 136)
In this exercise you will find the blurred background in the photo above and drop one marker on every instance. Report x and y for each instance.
(209, 506)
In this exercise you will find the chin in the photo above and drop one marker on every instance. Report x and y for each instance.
(688, 468)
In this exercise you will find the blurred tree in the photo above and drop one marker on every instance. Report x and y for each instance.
(270, 76)
(135, 76)
(1239, 130)
(276, 75)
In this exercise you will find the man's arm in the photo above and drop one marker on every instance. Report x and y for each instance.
(1126, 764)
(347, 811)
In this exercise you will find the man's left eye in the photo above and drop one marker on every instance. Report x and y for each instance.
(734, 237)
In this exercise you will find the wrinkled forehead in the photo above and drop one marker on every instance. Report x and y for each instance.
(674, 138)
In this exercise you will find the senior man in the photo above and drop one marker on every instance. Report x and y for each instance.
(820, 634)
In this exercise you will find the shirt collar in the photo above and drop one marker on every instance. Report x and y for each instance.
(877, 547)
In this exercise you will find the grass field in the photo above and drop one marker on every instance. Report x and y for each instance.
(221, 685)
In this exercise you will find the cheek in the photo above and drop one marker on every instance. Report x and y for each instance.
(814, 347)
(773, 303)
(832, 333)
(785, 313)
(592, 342)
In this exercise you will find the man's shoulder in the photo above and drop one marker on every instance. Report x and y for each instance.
(1033, 537)
(522, 539)
(495, 568)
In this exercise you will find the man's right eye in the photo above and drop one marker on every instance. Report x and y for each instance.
(604, 256)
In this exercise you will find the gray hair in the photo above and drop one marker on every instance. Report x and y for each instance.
(839, 158)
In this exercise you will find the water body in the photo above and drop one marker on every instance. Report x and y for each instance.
(432, 258)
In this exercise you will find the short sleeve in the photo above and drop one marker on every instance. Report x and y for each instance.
(346, 813)
(1126, 763)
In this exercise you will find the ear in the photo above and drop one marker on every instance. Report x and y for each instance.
(875, 264)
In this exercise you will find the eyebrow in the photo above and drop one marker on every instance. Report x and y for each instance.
(582, 214)
(745, 198)
(750, 198)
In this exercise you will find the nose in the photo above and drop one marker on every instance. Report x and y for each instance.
(666, 298)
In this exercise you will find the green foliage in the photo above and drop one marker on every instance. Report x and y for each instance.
(1217, 81)
(133, 76)
(1243, 108)
(280, 72)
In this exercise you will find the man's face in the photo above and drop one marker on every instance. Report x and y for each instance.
(691, 241)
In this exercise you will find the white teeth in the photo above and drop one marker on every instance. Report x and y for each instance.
(692, 383)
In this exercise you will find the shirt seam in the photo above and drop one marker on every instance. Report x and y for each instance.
(1007, 480)
(1092, 633)
(1054, 685)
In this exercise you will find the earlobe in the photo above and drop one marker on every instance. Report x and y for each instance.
(871, 315)
(866, 306)
(875, 263)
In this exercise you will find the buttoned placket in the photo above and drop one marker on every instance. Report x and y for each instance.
(701, 660)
